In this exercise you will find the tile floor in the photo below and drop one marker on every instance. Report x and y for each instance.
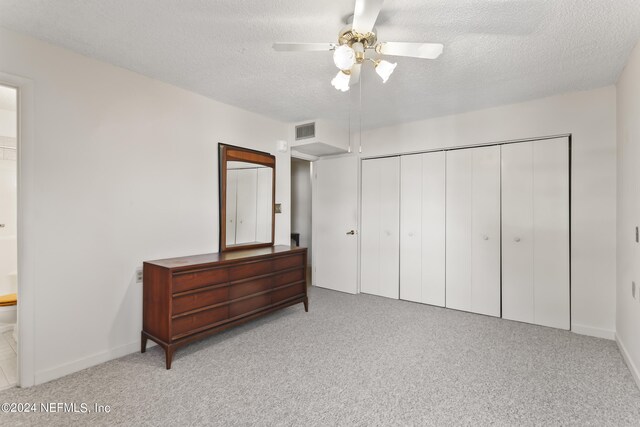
(8, 361)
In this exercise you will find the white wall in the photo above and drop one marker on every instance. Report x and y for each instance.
(628, 308)
(301, 202)
(591, 118)
(125, 169)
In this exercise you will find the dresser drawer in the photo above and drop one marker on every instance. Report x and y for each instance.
(284, 263)
(288, 292)
(198, 279)
(288, 277)
(249, 287)
(250, 269)
(200, 299)
(202, 319)
(250, 304)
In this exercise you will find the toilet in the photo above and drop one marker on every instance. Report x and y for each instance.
(9, 307)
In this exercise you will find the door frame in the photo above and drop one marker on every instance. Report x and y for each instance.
(25, 222)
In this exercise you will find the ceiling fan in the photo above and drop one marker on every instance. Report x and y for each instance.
(358, 37)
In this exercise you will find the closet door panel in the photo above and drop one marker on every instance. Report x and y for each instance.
(485, 236)
(551, 227)
(459, 229)
(370, 228)
(411, 258)
(517, 232)
(380, 240)
(390, 231)
(433, 228)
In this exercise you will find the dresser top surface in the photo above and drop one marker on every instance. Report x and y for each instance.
(195, 260)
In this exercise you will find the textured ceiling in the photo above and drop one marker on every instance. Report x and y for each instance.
(496, 51)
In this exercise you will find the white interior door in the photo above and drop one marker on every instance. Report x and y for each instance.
(473, 230)
(535, 230)
(264, 204)
(335, 216)
(422, 238)
(379, 237)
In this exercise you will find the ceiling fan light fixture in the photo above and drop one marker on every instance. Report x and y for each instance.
(341, 81)
(344, 57)
(384, 69)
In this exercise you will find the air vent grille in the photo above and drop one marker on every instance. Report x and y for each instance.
(306, 131)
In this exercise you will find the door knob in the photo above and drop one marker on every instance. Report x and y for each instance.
(485, 237)
(351, 233)
(517, 239)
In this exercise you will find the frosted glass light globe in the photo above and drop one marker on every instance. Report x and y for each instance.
(384, 70)
(344, 57)
(341, 81)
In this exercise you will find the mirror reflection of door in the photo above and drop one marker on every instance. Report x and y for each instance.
(249, 203)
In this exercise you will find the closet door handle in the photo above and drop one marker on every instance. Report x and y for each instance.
(485, 237)
(351, 233)
(517, 239)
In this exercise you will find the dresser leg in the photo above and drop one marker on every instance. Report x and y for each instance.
(306, 304)
(143, 343)
(168, 353)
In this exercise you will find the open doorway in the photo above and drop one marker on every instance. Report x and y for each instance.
(8, 236)
(301, 207)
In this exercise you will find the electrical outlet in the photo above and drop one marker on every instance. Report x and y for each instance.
(139, 277)
(633, 289)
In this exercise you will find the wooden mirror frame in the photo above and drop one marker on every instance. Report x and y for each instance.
(227, 153)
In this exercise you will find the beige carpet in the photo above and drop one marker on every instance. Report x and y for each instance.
(357, 360)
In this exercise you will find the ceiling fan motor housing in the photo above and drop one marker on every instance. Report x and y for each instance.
(348, 36)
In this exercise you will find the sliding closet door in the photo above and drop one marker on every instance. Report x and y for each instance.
(473, 230)
(535, 217)
(422, 235)
(380, 243)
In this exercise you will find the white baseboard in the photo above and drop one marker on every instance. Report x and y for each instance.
(87, 362)
(625, 355)
(593, 332)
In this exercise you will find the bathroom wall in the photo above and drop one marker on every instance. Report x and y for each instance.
(8, 190)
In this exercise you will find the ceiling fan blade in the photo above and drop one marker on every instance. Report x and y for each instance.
(303, 47)
(416, 50)
(365, 15)
(355, 74)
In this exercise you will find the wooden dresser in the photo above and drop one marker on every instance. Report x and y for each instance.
(188, 298)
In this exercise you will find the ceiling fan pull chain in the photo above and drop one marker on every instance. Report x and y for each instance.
(349, 150)
(360, 116)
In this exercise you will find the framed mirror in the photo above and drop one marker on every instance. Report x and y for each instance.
(247, 180)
